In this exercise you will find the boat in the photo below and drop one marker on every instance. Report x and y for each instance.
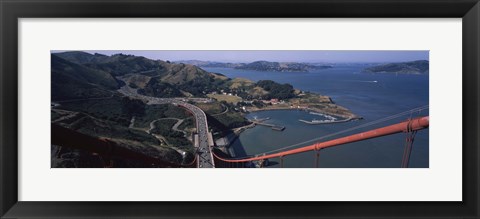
(315, 113)
(324, 115)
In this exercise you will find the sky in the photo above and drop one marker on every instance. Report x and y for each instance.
(335, 56)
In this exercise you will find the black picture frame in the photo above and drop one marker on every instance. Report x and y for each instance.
(12, 10)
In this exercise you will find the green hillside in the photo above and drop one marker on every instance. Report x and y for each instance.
(155, 74)
(73, 81)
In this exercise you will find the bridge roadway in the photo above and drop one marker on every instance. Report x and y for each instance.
(205, 144)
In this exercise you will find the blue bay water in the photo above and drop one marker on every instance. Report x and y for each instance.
(372, 96)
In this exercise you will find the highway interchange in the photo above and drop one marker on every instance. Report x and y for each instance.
(205, 142)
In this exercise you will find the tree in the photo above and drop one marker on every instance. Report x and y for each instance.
(133, 107)
(276, 90)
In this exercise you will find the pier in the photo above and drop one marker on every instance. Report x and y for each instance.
(278, 128)
(274, 127)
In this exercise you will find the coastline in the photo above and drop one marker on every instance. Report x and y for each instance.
(350, 115)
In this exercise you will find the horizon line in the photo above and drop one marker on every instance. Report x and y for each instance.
(125, 52)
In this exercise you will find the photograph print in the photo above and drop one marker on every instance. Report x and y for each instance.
(240, 109)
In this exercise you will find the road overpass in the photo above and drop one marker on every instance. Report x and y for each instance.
(204, 155)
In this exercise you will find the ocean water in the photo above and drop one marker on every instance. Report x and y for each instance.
(372, 96)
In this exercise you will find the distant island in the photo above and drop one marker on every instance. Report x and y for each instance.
(210, 64)
(414, 67)
(281, 66)
(260, 66)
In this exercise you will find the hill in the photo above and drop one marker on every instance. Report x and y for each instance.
(165, 79)
(187, 79)
(73, 81)
(414, 67)
(149, 75)
(117, 65)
